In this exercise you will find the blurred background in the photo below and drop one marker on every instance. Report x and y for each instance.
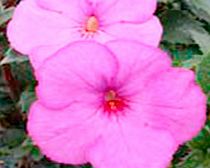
(187, 39)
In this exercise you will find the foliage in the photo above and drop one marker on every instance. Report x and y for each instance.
(186, 37)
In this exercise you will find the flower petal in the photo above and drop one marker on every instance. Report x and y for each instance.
(64, 135)
(128, 146)
(111, 11)
(76, 10)
(33, 26)
(149, 32)
(78, 72)
(137, 63)
(174, 102)
(39, 54)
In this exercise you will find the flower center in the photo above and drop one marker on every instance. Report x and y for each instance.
(113, 102)
(92, 24)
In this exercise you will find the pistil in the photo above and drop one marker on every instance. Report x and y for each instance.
(113, 102)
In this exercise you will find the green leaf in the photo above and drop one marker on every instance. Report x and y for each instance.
(26, 99)
(202, 39)
(36, 154)
(198, 151)
(13, 57)
(13, 137)
(1, 7)
(177, 27)
(163, 1)
(183, 55)
(202, 141)
(6, 103)
(203, 74)
(23, 73)
(8, 162)
(192, 62)
(3, 43)
(5, 15)
(193, 160)
(86, 166)
(200, 8)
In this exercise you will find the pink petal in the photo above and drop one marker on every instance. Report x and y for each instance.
(78, 72)
(149, 32)
(64, 135)
(126, 145)
(75, 9)
(33, 26)
(39, 54)
(137, 63)
(174, 102)
(111, 11)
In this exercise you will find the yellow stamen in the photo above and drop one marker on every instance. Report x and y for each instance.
(92, 24)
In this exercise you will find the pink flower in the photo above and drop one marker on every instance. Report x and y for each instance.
(117, 106)
(56, 23)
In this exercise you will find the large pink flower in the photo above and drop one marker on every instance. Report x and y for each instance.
(56, 23)
(117, 106)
